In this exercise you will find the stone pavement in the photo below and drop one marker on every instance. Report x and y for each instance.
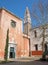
(26, 63)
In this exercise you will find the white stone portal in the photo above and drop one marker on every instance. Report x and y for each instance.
(13, 46)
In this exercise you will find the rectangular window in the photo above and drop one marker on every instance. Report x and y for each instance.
(35, 33)
(36, 47)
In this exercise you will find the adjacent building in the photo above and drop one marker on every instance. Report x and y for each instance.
(38, 37)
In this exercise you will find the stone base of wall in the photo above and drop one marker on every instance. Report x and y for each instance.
(36, 57)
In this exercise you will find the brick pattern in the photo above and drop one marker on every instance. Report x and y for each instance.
(37, 52)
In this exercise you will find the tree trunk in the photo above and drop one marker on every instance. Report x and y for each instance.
(43, 43)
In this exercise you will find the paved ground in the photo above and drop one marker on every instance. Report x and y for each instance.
(26, 63)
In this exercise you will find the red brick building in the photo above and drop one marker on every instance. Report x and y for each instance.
(18, 42)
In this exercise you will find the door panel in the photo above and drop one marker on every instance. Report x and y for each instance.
(12, 52)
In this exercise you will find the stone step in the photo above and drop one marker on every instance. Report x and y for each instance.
(26, 59)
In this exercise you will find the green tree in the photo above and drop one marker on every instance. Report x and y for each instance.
(6, 47)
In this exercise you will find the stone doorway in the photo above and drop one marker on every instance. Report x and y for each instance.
(11, 51)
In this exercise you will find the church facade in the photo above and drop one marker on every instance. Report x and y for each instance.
(18, 44)
(26, 43)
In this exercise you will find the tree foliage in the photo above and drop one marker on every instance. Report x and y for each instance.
(6, 47)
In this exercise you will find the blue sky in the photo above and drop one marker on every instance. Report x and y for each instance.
(18, 6)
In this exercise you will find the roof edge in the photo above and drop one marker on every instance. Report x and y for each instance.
(41, 26)
(10, 13)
